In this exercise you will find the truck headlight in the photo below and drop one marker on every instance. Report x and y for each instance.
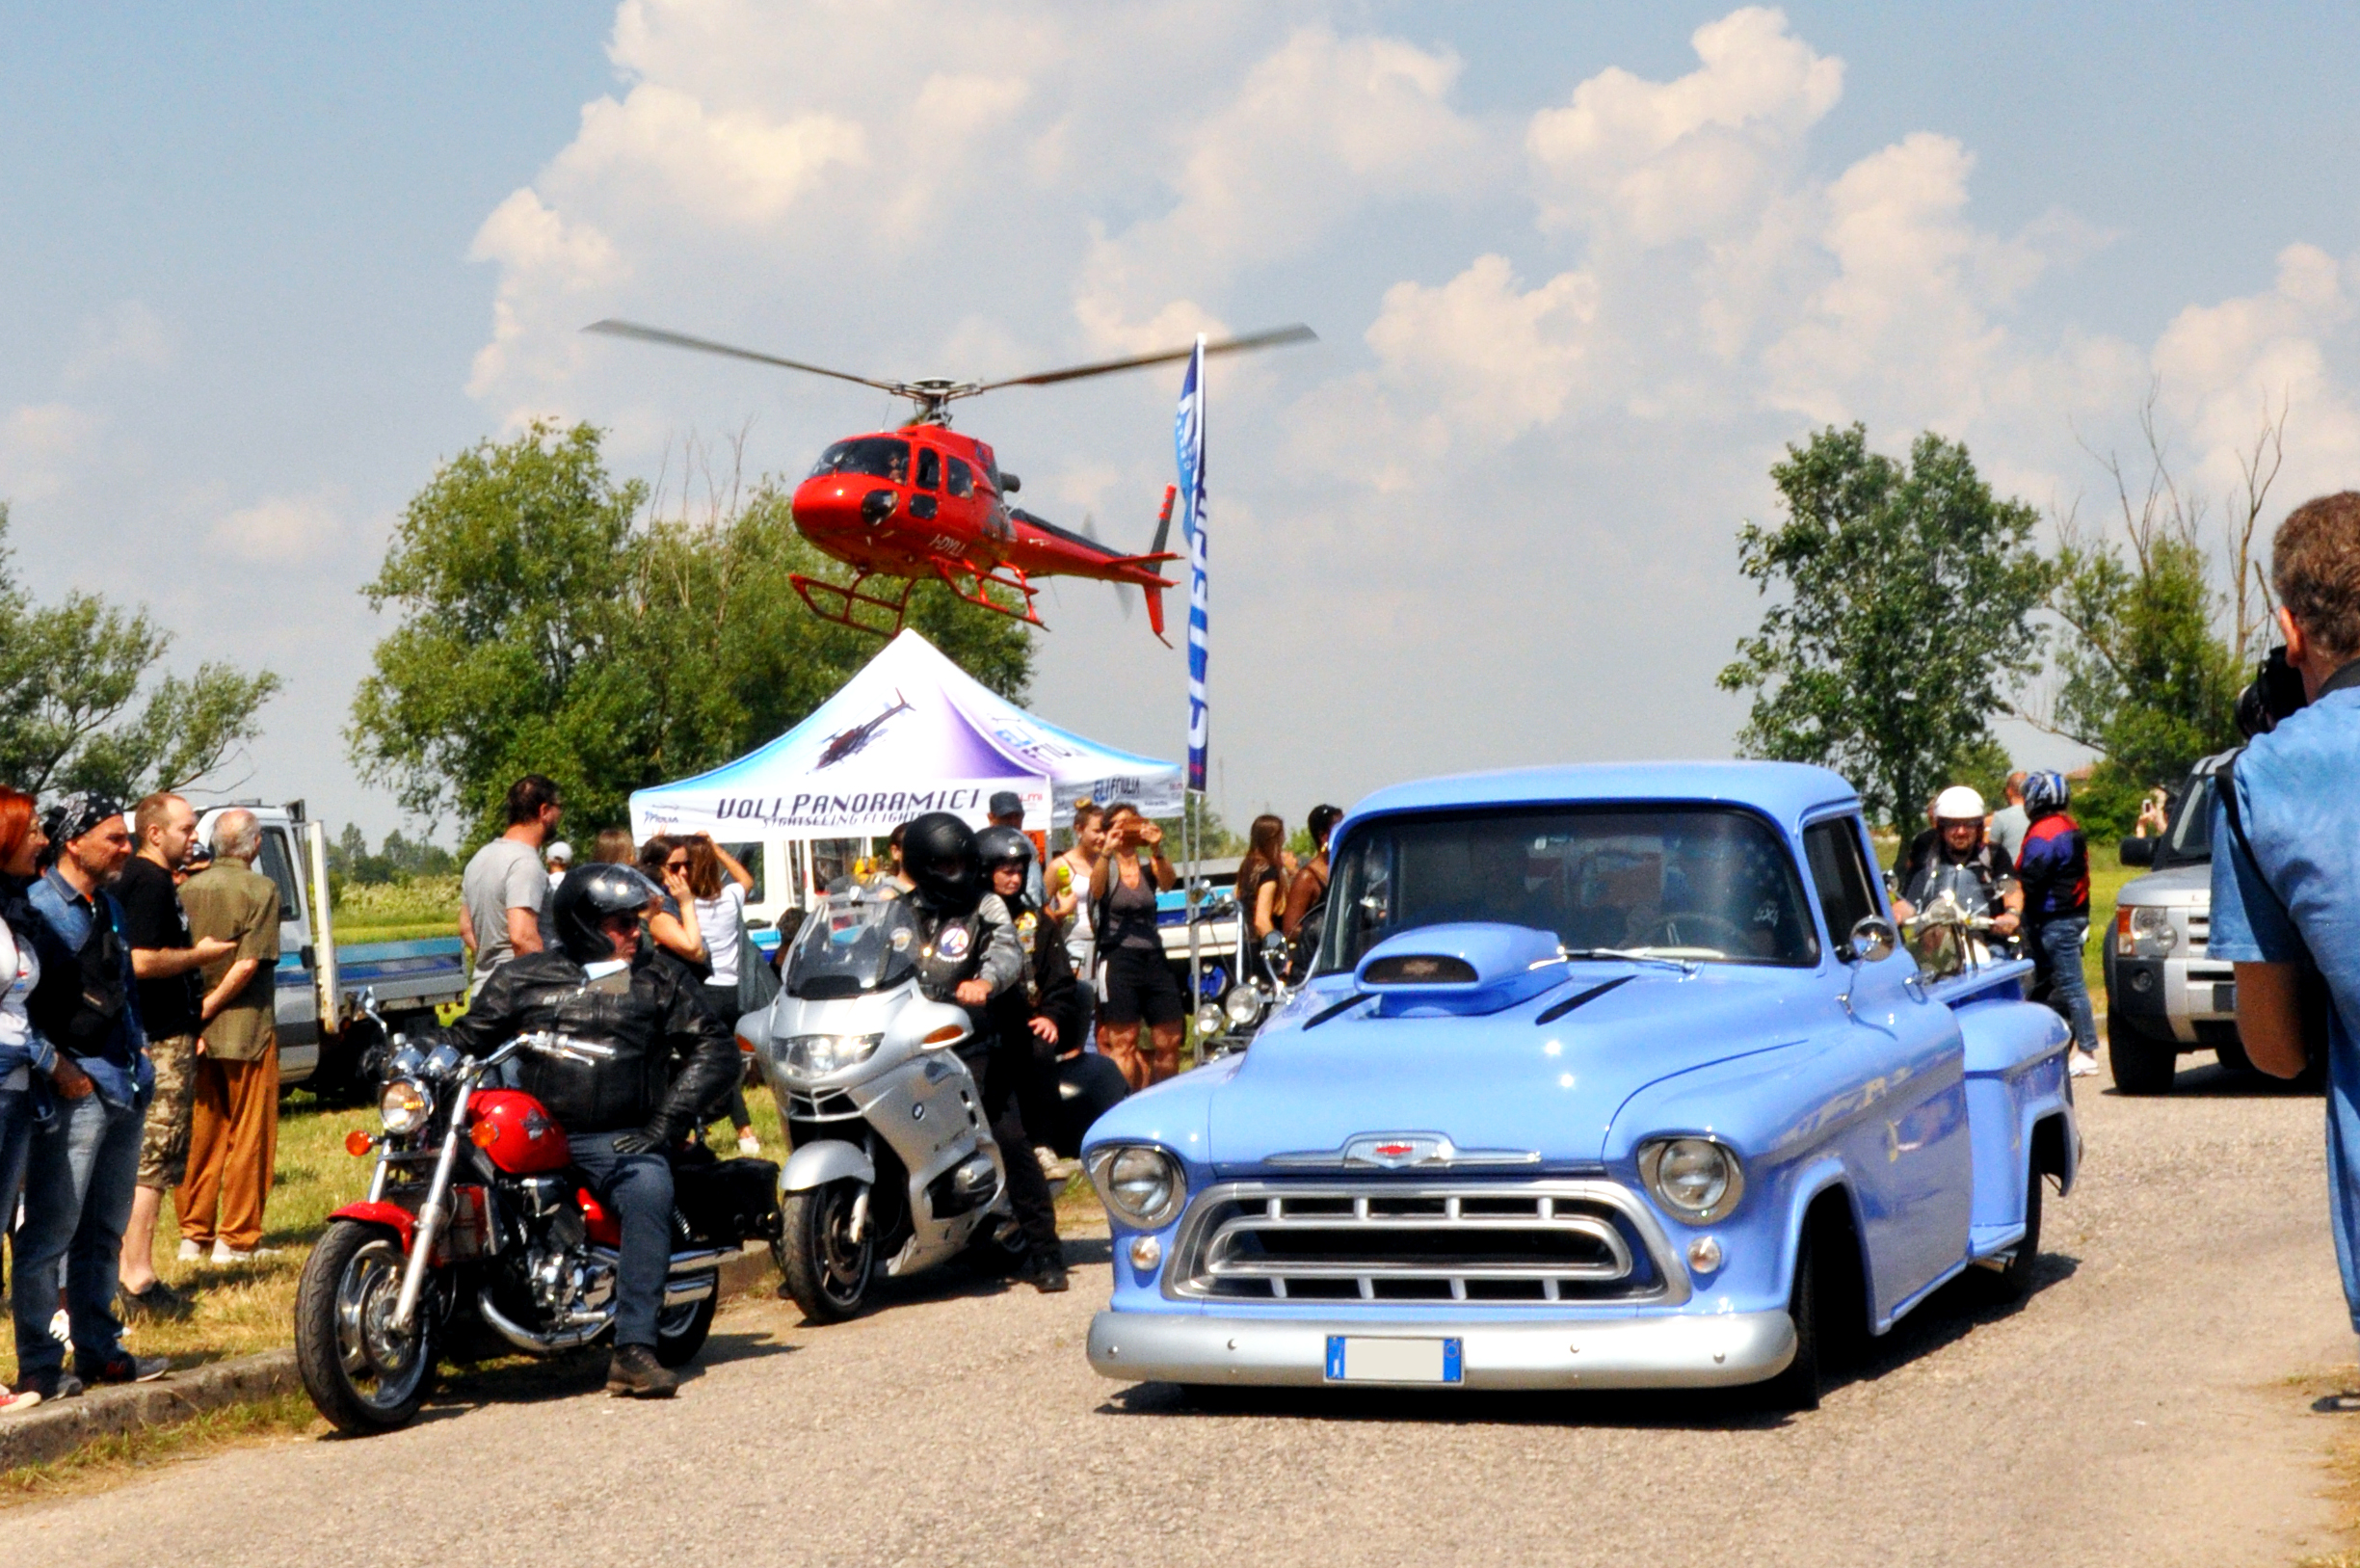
(816, 1055)
(1697, 1179)
(2144, 931)
(1140, 1184)
(405, 1105)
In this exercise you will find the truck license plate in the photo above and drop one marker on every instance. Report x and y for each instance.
(2224, 996)
(1352, 1359)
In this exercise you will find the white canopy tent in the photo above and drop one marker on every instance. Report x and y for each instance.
(912, 732)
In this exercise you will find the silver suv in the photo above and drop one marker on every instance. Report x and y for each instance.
(2163, 994)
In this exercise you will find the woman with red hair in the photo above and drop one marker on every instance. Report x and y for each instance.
(26, 1059)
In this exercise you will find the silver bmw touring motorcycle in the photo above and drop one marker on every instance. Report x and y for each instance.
(895, 1169)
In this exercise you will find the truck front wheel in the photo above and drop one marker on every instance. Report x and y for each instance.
(2142, 1064)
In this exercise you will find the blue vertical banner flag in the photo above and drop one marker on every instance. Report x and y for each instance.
(1188, 444)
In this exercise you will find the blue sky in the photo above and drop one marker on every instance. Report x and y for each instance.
(1575, 284)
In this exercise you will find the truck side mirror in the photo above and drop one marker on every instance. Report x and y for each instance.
(2139, 852)
(1874, 940)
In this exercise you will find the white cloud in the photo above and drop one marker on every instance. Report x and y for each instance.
(1691, 157)
(128, 334)
(283, 530)
(730, 165)
(42, 444)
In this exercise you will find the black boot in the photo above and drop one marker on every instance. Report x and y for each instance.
(634, 1371)
(1045, 1272)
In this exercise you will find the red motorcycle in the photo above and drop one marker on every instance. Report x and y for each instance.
(476, 1216)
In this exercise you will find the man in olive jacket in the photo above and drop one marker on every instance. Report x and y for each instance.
(233, 1123)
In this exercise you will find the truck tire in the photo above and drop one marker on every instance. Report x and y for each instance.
(2142, 1064)
(1797, 1388)
(2231, 1055)
(2014, 1283)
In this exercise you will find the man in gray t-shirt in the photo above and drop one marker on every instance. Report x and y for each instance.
(504, 894)
(2009, 823)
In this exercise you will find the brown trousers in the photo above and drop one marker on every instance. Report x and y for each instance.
(233, 1148)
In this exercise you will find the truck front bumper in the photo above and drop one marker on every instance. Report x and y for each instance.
(1706, 1350)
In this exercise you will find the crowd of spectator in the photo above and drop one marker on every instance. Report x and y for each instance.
(138, 1060)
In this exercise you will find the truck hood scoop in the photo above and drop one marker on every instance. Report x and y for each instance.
(1459, 970)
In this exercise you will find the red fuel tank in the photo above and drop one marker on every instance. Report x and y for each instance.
(521, 1139)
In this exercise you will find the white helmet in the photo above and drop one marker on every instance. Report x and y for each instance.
(1958, 804)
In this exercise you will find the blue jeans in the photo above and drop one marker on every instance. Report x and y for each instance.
(638, 1189)
(16, 1147)
(2057, 956)
(77, 1188)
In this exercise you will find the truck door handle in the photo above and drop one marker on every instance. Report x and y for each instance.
(1915, 985)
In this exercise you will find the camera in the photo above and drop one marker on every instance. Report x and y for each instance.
(2276, 695)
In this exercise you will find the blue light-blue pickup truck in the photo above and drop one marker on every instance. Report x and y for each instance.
(1605, 1077)
(409, 979)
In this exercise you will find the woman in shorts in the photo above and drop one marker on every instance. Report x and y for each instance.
(1135, 981)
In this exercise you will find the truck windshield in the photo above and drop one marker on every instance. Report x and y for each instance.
(2188, 840)
(1708, 882)
(853, 946)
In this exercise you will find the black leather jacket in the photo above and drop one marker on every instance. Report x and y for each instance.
(654, 1020)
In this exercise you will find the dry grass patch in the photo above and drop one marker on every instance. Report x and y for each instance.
(110, 1462)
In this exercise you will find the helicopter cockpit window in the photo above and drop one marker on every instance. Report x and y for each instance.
(878, 457)
(929, 468)
(962, 481)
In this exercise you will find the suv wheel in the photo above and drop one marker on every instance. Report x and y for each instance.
(2142, 1064)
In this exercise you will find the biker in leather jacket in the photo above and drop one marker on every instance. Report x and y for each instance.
(1032, 1020)
(669, 1057)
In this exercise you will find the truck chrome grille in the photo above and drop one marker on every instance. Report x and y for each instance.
(1455, 1241)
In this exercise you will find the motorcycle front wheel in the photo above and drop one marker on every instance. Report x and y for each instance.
(826, 1272)
(360, 1373)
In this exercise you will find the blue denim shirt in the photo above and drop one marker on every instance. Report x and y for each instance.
(122, 1074)
(2297, 896)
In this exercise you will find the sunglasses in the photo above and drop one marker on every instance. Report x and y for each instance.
(676, 866)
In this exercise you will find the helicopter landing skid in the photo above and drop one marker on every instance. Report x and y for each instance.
(831, 601)
(1015, 583)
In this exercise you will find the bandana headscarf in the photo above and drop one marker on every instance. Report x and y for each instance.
(77, 815)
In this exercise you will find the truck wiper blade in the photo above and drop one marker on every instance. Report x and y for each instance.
(1633, 955)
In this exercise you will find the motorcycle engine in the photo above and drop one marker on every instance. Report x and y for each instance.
(571, 1282)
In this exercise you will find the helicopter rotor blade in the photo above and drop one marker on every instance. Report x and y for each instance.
(1124, 594)
(1275, 337)
(681, 341)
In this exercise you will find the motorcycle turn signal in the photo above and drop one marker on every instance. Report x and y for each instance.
(358, 1143)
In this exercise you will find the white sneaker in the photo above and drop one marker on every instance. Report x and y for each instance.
(224, 1255)
(748, 1143)
(2084, 1064)
(192, 1253)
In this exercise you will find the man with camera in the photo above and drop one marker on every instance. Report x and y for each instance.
(2286, 863)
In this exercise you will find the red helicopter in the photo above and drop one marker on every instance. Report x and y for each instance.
(924, 501)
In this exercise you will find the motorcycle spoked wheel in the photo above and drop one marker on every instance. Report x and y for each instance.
(681, 1331)
(826, 1272)
(361, 1375)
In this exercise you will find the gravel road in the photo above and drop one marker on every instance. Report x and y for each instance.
(2135, 1411)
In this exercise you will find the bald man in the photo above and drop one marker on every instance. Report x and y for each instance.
(233, 1130)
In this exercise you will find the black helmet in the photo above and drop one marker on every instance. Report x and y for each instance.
(998, 846)
(938, 855)
(587, 897)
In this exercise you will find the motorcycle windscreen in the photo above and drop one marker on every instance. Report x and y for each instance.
(853, 946)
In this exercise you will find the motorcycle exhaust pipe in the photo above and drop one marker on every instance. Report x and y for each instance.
(525, 1340)
(679, 1293)
(691, 1262)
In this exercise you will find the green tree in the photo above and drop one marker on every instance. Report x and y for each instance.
(82, 705)
(2155, 655)
(1906, 620)
(545, 628)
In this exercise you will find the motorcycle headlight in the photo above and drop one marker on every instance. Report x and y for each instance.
(405, 1105)
(2144, 931)
(1208, 1020)
(1243, 1004)
(1140, 1185)
(816, 1055)
(1697, 1179)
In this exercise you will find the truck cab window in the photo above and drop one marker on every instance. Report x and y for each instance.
(1840, 877)
(278, 864)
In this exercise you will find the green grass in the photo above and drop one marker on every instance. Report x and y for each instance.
(398, 911)
(109, 1462)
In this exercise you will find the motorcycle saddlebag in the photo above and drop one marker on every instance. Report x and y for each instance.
(726, 1201)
